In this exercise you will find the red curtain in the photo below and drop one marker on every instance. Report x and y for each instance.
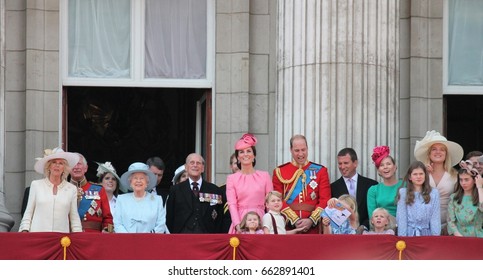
(94, 246)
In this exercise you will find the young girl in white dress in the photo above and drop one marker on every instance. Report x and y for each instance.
(381, 222)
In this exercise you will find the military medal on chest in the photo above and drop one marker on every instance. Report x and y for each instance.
(313, 175)
(313, 184)
(92, 195)
(313, 196)
(92, 209)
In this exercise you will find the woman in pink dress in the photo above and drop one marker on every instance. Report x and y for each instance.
(247, 188)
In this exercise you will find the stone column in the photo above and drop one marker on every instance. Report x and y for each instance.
(232, 80)
(6, 221)
(245, 83)
(338, 78)
(422, 101)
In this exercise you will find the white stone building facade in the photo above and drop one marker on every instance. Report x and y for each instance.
(343, 73)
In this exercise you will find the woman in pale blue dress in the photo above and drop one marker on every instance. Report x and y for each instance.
(418, 209)
(139, 211)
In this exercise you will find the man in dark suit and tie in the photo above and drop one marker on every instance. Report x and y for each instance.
(195, 205)
(352, 183)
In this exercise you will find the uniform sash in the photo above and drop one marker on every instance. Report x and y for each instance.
(86, 203)
(312, 169)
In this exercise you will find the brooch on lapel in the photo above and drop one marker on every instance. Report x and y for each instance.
(214, 214)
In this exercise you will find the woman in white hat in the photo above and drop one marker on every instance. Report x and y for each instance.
(139, 211)
(440, 155)
(110, 181)
(52, 203)
(180, 175)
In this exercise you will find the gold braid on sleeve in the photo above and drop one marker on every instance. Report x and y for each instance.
(315, 216)
(290, 215)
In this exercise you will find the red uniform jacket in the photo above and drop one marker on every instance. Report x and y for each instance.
(98, 215)
(305, 191)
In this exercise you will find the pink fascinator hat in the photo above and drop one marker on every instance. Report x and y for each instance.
(470, 169)
(247, 140)
(379, 153)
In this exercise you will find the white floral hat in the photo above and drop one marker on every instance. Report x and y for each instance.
(106, 168)
(55, 153)
(454, 154)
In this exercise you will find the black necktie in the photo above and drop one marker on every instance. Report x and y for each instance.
(196, 191)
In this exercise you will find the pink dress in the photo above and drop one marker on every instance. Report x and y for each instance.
(258, 231)
(246, 193)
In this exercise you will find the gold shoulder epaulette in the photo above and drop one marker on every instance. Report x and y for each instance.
(295, 176)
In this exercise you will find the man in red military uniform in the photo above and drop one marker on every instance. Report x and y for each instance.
(305, 188)
(93, 205)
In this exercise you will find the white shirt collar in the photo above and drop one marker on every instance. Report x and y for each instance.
(354, 178)
(199, 182)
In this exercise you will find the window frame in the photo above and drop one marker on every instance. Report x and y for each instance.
(447, 88)
(137, 64)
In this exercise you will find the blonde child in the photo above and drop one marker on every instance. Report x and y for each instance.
(465, 208)
(381, 222)
(251, 224)
(350, 225)
(273, 221)
(418, 209)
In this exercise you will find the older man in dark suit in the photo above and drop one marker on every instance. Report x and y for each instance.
(352, 183)
(195, 205)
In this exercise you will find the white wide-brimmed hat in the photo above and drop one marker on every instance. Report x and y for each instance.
(134, 168)
(454, 154)
(177, 174)
(55, 153)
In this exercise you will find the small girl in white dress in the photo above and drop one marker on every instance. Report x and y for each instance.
(381, 222)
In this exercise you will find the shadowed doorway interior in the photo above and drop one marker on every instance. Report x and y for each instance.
(124, 125)
(464, 121)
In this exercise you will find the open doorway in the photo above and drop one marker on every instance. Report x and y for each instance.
(124, 125)
(464, 121)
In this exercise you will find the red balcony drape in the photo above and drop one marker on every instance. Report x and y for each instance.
(93, 246)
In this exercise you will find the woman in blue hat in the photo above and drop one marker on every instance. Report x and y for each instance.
(139, 211)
